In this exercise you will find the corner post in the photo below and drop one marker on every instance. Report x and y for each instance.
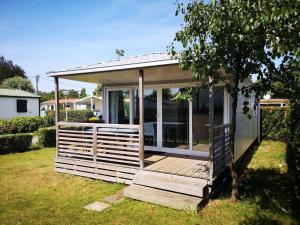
(211, 130)
(95, 142)
(141, 110)
(56, 112)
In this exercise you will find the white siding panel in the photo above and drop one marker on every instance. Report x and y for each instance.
(246, 129)
(8, 107)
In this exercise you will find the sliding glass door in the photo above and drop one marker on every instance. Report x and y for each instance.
(170, 125)
(175, 120)
(150, 115)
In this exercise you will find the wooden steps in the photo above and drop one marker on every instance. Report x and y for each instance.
(169, 190)
(180, 184)
(161, 197)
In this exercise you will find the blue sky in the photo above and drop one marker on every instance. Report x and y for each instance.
(41, 35)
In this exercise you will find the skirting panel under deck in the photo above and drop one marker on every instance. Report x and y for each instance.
(98, 170)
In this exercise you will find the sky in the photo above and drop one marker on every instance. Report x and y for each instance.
(42, 35)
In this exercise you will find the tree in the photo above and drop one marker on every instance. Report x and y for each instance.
(8, 69)
(83, 93)
(237, 37)
(18, 83)
(120, 53)
(72, 93)
(98, 90)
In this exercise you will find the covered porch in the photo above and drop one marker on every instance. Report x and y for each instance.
(149, 138)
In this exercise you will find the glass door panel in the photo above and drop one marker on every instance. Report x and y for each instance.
(200, 120)
(119, 107)
(150, 115)
(175, 120)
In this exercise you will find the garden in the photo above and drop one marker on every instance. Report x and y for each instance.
(32, 192)
(21, 134)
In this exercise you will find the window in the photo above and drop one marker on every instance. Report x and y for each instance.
(21, 106)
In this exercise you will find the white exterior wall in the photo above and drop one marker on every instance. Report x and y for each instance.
(8, 107)
(98, 105)
(246, 129)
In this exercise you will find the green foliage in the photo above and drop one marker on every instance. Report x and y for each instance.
(83, 93)
(98, 90)
(24, 124)
(73, 115)
(73, 94)
(14, 142)
(8, 69)
(18, 82)
(275, 123)
(120, 53)
(46, 136)
(45, 96)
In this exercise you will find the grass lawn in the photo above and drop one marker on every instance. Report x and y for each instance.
(32, 193)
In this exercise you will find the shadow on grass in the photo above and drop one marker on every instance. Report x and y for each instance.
(268, 190)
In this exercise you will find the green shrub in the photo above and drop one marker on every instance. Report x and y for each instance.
(46, 136)
(15, 143)
(73, 115)
(24, 124)
(275, 123)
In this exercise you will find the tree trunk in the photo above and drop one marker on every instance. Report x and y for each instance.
(232, 166)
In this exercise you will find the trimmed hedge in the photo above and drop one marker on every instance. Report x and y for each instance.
(275, 123)
(15, 143)
(24, 124)
(46, 136)
(73, 115)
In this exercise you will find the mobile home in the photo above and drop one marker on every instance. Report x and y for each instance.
(170, 152)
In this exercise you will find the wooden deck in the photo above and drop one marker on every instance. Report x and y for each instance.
(113, 152)
(180, 165)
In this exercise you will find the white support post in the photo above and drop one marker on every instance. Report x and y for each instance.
(141, 111)
(211, 130)
(56, 111)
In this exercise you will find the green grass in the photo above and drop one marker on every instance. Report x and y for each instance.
(32, 193)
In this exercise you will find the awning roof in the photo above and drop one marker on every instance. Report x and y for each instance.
(156, 66)
(140, 61)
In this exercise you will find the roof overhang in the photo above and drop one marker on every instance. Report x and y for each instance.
(152, 73)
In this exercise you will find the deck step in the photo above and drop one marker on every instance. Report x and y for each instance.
(162, 197)
(174, 183)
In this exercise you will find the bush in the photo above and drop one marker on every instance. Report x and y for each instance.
(24, 124)
(14, 143)
(73, 115)
(46, 136)
(275, 123)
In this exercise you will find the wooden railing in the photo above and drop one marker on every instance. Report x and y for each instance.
(221, 148)
(109, 143)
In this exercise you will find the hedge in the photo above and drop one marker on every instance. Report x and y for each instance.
(15, 143)
(275, 123)
(24, 124)
(46, 137)
(73, 115)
